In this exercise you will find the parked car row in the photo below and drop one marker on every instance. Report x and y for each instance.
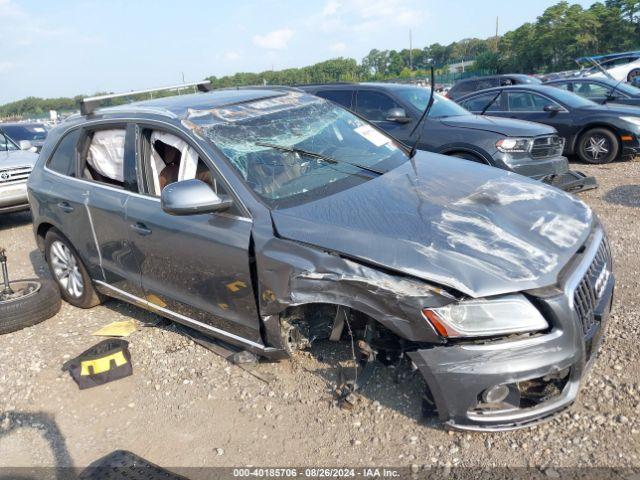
(596, 133)
(19, 145)
(527, 148)
(271, 218)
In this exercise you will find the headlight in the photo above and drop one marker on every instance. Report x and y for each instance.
(634, 120)
(484, 318)
(514, 145)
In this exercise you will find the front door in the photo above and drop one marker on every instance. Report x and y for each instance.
(530, 106)
(374, 105)
(195, 265)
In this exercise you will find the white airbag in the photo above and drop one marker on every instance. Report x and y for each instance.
(188, 156)
(106, 153)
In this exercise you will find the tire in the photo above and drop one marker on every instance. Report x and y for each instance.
(598, 146)
(467, 156)
(633, 74)
(71, 276)
(41, 303)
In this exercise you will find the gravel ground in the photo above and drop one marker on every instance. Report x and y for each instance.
(185, 406)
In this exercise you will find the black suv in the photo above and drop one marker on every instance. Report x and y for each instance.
(470, 85)
(526, 148)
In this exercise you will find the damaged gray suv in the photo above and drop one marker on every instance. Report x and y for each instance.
(271, 219)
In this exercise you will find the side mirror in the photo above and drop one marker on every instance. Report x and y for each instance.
(398, 115)
(191, 197)
(553, 108)
(25, 145)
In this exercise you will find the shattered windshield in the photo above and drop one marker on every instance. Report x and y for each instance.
(295, 148)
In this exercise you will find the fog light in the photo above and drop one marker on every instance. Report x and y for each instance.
(495, 394)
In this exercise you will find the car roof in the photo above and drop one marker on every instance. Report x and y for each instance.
(19, 124)
(337, 85)
(179, 105)
(548, 90)
(485, 77)
(606, 80)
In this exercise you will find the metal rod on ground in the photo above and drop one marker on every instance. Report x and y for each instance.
(5, 272)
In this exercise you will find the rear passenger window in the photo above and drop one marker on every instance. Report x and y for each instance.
(486, 83)
(104, 157)
(341, 97)
(64, 158)
(478, 103)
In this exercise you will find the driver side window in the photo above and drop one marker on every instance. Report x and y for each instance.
(374, 105)
(168, 159)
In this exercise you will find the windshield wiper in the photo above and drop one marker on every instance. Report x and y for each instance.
(486, 107)
(319, 156)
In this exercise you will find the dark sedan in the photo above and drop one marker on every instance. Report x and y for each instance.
(600, 90)
(596, 133)
(468, 85)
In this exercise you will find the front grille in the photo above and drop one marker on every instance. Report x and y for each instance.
(548, 146)
(590, 289)
(14, 175)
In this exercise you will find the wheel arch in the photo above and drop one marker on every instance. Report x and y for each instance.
(591, 126)
(469, 149)
(41, 232)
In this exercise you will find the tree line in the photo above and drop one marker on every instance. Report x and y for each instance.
(562, 33)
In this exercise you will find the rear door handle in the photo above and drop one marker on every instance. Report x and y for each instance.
(65, 207)
(141, 229)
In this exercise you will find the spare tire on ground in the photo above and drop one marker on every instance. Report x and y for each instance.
(29, 302)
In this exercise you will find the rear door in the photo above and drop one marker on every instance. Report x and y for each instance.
(107, 166)
(62, 199)
(196, 266)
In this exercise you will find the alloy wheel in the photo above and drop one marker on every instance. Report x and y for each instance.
(597, 146)
(66, 269)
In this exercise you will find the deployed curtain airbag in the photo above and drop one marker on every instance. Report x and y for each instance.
(106, 153)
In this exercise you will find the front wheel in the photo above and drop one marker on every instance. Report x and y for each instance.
(69, 272)
(598, 146)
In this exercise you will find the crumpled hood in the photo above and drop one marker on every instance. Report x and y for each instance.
(474, 228)
(17, 158)
(509, 127)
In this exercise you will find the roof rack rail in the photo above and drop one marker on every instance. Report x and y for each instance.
(89, 104)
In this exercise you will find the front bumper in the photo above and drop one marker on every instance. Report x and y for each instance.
(538, 169)
(630, 151)
(458, 374)
(573, 181)
(13, 197)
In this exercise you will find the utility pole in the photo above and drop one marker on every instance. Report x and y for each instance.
(410, 52)
(497, 34)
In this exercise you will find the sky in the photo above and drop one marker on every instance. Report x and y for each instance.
(65, 48)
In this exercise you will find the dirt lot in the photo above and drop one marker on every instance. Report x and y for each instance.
(185, 406)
